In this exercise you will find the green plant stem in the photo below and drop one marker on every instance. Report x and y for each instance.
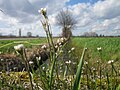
(108, 81)
(100, 78)
(27, 67)
(87, 77)
(51, 71)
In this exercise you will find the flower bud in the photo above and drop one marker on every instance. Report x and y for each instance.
(43, 11)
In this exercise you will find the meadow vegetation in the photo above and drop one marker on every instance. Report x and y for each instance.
(74, 64)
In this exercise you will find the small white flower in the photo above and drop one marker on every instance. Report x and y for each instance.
(68, 62)
(19, 47)
(38, 58)
(44, 47)
(58, 41)
(56, 54)
(72, 49)
(86, 48)
(85, 62)
(99, 48)
(43, 11)
(62, 39)
(56, 46)
(2, 59)
(43, 68)
(110, 61)
(97, 61)
(30, 62)
(69, 51)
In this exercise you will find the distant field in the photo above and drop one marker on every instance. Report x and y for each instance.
(110, 46)
(6, 45)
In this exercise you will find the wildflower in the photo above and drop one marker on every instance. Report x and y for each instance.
(2, 59)
(86, 48)
(62, 39)
(30, 62)
(110, 61)
(69, 51)
(68, 62)
(58, 41)
(43, 68)
(99, 48)
(43, 11)
(85, 63)
(94, 69)
(38, 58)
(72, 49)
(44, 47)
(56, 54)
(97, 61)
(19, 47)
(56, 46)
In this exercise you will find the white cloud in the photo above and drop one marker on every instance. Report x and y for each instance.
(107, 9)
(102, 16)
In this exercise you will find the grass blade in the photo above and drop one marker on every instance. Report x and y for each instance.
(79, 70)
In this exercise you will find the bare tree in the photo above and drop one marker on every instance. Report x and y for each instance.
(66, 20)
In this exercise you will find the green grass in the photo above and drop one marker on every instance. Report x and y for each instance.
(6, 46)
(110, 46)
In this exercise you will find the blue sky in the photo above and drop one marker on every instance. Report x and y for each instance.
(73, 2)
(101, 16)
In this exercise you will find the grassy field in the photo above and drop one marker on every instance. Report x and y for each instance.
(110, 46)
